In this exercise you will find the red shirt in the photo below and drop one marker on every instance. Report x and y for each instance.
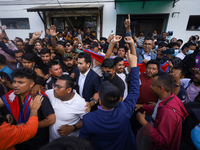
(11, 135)
(146, 94)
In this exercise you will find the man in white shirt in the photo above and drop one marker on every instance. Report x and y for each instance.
(69, 108)
(122, 72)
(188, 48)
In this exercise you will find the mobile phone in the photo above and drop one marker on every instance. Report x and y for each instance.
(168, 51)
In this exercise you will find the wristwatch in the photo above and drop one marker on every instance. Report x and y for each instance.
(91, 99)
(75, 128)
(177, 85)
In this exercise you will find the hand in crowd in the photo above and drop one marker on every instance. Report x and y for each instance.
(2, 81)
(47, 76)
(88, 107)
(37, 34)
(132, 59)
(152, 104)
(138, 106)
(116, 39)
(36, 88)
(9, 118)
(110, 38)
(145, 61)
(141, 118)
(53, 32)
(129, 40)
(127, 22)
(64, 130)
(36, 103)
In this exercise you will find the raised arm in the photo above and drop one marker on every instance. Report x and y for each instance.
(116, 39)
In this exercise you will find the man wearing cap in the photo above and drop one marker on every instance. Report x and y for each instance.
(69, 65)
(96, 65)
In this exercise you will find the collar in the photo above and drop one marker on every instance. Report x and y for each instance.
(100, 107)
(164, 100)
(3, 68)
(85, 74)
(71, 100)
(143, 52)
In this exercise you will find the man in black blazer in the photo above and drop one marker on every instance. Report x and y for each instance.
(87, 81)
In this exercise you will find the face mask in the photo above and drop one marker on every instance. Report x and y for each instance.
(6, 44)
(156, 46)
(102, 45)
(107, 76)
(176, 51)
(189, 52)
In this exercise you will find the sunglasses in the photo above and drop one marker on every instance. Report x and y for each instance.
(79, 46)
(68, 45)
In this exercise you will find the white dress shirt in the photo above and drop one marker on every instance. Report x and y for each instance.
(81, 82)
(181, 55)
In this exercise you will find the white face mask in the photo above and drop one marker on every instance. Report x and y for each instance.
(190, 52)
(176, 51)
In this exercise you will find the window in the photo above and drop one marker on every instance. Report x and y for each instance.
(15, 23)
(193, 23)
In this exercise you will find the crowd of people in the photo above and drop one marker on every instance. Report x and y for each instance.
(70, 90)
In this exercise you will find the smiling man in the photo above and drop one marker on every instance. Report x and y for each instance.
(19, 98)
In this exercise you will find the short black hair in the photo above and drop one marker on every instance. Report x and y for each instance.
(2, 59)
(20, 40)
(162, 44)
(108, 63)
(45, 50)
(165, 80)
(85, 55)
(18, 51)
(24, 72)
(141, 32)
(123, 46)
(153, 61)
(28, 56)
(148, 38)
(69, 41)
(109, 95)
(69, 81)
(68, 143)
(183, 70)
(103, 38)
(180, 40)
(172, 44)
(52, 63)
(117, 59)
(188, 44)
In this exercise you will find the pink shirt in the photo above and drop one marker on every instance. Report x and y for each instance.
(192, 92)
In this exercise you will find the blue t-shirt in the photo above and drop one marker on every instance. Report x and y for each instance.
(7, 70)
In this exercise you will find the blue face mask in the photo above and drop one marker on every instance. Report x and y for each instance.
(176, 51)
(190, 52)
(156, 46)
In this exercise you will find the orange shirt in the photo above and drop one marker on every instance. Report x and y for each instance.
(11, 135)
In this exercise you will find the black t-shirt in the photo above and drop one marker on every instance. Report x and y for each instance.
(117, 81)
(88, 40)
(42, 136)
(65, 69)
(50, 82)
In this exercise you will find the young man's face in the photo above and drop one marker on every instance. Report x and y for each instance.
(20, 46)
(151, 69)
(22, 85)
(154, 86)
(119, 68)
(68, 62)
(108, 70)
(18, 56)
(60, 89)
(82, 65)
(147, 45)
(46, 58)
(68, 48)
(121, 52)
(55, 71)
(27, 64)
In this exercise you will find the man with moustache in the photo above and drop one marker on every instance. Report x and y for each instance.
(69, 108)
(69, 65)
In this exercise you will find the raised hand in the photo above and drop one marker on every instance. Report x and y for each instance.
(36, 103)
(117, 38)
(132, 59)
(127, 22)
(37, 34)
(53, 30)
(128, 39)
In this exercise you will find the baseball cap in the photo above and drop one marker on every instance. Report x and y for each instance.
(94, 44)
(67, 55)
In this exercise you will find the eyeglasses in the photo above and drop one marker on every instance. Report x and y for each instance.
(79, 46)
(19, 45)
(57, 87)
(68, 45)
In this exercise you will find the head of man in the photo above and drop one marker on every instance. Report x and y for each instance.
(68, 46)
(122, 51)
(152, 67)
(86, 45)
(88, 30)
(60, 44)
(161, 47)
(23, 80)
(173, 39)
(20, 45)
(84, 62)
(148, 44)
(188, 48)
(109, 95)
(45, 55)
(55, 69)
(108, 69)
(79, 31)
(197, 78)
(175, 46)
(162, 83)
(16, 39)
(178, 73)
(94, 46)
(2, 60)
(119, 65)
(180, 41)
(141, 34)
(18, 55)
(28, 60)
(63, 87)
(68, 60)
(164, 35)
